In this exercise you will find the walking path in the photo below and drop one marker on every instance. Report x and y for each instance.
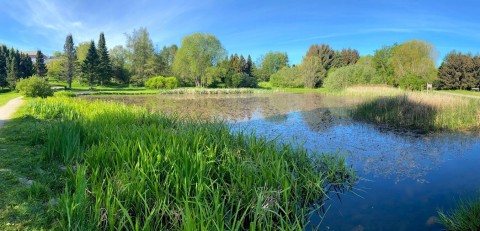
(457, 94)
(8, 109)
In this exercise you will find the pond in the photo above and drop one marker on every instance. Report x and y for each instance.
(405, 177)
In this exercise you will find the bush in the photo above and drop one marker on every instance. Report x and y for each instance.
(64, 94)
(350, 75)
(287, 77)
(171, 83)
(155, 82)
(34, 87)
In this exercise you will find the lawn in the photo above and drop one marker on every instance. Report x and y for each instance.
(6, 96)
(463, 92)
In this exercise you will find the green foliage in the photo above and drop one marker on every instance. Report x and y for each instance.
(55, 67)
(3, 66)
(171, 82)
(381, 63)
(140, 50)
(40, 67)
(312, 72)
(155, 82)
(287, 77)
(326, 54)
(13, 73)
(241, 80)
(104, 64)
(159, 82)
(64, 94)
(464, 217)
(90, 65)
(348, 57)
(120, 70)
(412, 82)
(271, 63)
(459, 71)
(346, 76)
(197, 53)
(413, 58)
(70, 56)
(34, 87)
(214, 75)
(131, 169)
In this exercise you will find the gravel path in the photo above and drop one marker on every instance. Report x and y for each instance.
(8, 109)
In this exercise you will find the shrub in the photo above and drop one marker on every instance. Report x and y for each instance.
(350, 75)
(155, 82)
(287, 77)
(171, 83)
(34, 87)
(64, 94)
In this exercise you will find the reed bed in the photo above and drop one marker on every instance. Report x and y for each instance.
(425, 111)
(209, 91)
(466, 216)
(131, 169)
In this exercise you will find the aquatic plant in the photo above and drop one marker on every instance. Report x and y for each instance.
(131, 169)
(418, 110)
(466, 216)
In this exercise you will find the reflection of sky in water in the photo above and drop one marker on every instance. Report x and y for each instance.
(407, 177)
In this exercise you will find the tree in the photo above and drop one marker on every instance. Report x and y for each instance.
(459, 71)
(90, 65)
(287, 77)
(197, 52)
(70, 59)
(349, 56)
(104, 64)
(349, 75)
(3, 66)
(140, 48)
(82, 50)
(12, 73)
(54, 67)
(249, 67)
(325, 53)
(25, 65)
(414, 58)
(167, 55)
(312, 72)
(34, 86)
(381, 63)
(40, 67)
(271, 63)
(118, 57)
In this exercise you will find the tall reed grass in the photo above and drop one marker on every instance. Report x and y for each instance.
(131, 169)
(417, 110)
(209, 91)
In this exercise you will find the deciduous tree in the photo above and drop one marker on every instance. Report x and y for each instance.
(140, 50)
(197, 52)
(271, 63)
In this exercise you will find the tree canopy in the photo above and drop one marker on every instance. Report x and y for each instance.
(197, 53)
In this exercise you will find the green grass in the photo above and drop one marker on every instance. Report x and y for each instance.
(6, 96)
(127, 168)
(463, 92)
(466, 216)
(420, 111)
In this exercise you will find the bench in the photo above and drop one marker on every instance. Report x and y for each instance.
(475, 89)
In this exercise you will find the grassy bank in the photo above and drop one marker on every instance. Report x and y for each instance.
(417, 110)
(466, 216)
(127, 168)
(463, 92)
(6, 96)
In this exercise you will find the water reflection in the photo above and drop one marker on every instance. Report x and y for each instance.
(409, 175)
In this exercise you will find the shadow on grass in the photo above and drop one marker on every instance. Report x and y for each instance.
(398, 112)
(28, 183)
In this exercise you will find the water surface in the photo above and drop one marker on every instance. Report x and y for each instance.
(406, 177)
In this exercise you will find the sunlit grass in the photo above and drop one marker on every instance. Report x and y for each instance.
(463, 92)
(128, 168)
(6, 96)
(466, 216)
(416, 110)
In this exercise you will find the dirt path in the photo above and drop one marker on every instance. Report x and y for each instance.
(456, 94)
(8, 109)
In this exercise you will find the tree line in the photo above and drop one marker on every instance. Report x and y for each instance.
(15, 65)
(202, 61)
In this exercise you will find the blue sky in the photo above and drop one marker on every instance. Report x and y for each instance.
(246, 27)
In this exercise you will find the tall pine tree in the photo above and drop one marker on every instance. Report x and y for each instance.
(70, 59)
(104, 64)
(12, 72)
(40, 67)
(90, 65)
(3, 67)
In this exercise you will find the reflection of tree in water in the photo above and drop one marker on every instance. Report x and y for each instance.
(321, 119)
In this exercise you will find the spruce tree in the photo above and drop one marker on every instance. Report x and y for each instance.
(12, 72)
(249, 66)
(90, 65)
(70, 59)
(40, 67)
(104, 64)
(3, 67)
